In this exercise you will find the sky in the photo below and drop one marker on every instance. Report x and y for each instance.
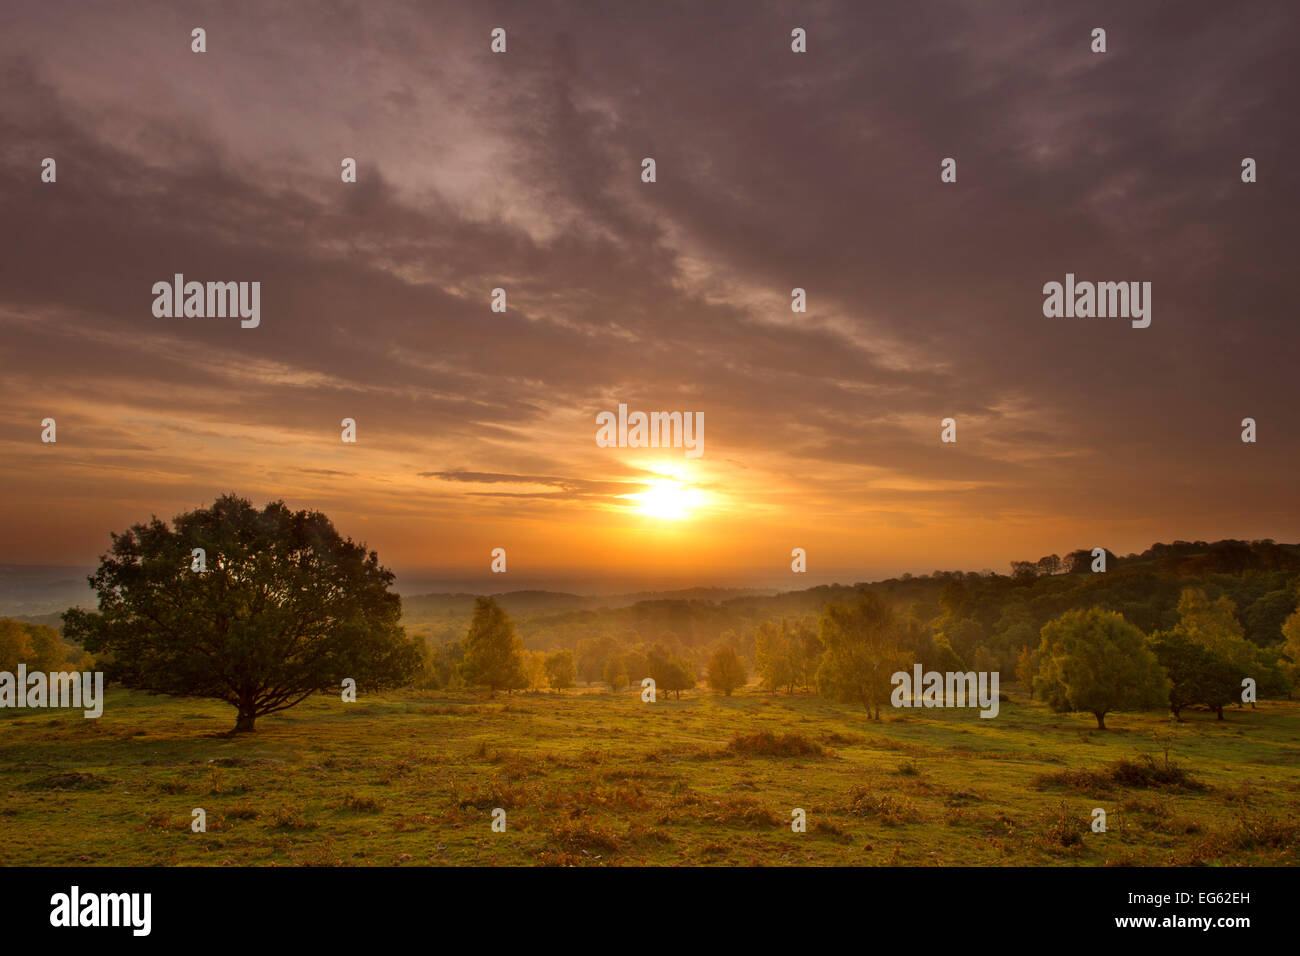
(775, 170)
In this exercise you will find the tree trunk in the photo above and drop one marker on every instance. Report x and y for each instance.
(247, 708)
(1220, 710)
(1101, 721)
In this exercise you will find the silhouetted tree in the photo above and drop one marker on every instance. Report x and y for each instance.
(285, 608)
(1196, 674)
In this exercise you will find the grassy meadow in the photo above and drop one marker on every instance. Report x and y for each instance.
(594, 778)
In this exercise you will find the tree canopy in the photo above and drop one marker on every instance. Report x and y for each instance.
(1093, 661)
(862, 652)
(493, 651)
(280, 607)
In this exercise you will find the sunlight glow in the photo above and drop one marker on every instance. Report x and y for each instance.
(667, 499)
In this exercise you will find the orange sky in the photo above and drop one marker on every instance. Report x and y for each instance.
(477, 429)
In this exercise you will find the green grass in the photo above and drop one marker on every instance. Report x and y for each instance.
(596, 778)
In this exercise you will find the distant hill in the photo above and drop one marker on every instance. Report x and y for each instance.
(43, 589)
(1262, 578)
(555, 602)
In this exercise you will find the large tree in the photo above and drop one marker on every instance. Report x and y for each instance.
(276, 606)
(1095, 662)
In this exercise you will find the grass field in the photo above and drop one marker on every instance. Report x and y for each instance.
(595, 778)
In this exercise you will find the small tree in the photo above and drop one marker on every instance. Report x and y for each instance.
(1027, 667)
(1095, 662)
(1196, 674)
(285, 608)
(493, 652)
(862, 652)
(1291, 650)
(560, 670)
(1024, 571)
(670, 672)
(615, 674)
(533, 664)
(726, 670)
(1214, 626)
(773, 656)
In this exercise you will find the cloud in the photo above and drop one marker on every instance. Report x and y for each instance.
(775, 170)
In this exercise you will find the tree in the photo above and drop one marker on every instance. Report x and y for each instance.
(615, 674)
(285, 608)
(1049, 565)
(670, 672)
(560, 670)
(1024, 571)
(493, 652)
(1079, 562)
(1196, 674)
(773, 656)
(15, 645)
(591, 656)
(945, 658)
(1214, 626)
(862, 651)
(1027, 667)
(955, 599)
(444, 666)
(1264, 617)
(1291, 650)
(39, 647)
(1095, 662)
(963, 635)
(533, 666)
(726, 671)
(805, 651)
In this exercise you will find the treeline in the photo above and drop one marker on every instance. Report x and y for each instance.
(1089, 660)
(39, 647)
(1208, 615)
(983, 619)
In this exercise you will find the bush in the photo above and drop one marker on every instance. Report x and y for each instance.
(768, 744)
(1140, 773)
(884, 807)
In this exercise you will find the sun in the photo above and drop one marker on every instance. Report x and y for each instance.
(667, 499)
